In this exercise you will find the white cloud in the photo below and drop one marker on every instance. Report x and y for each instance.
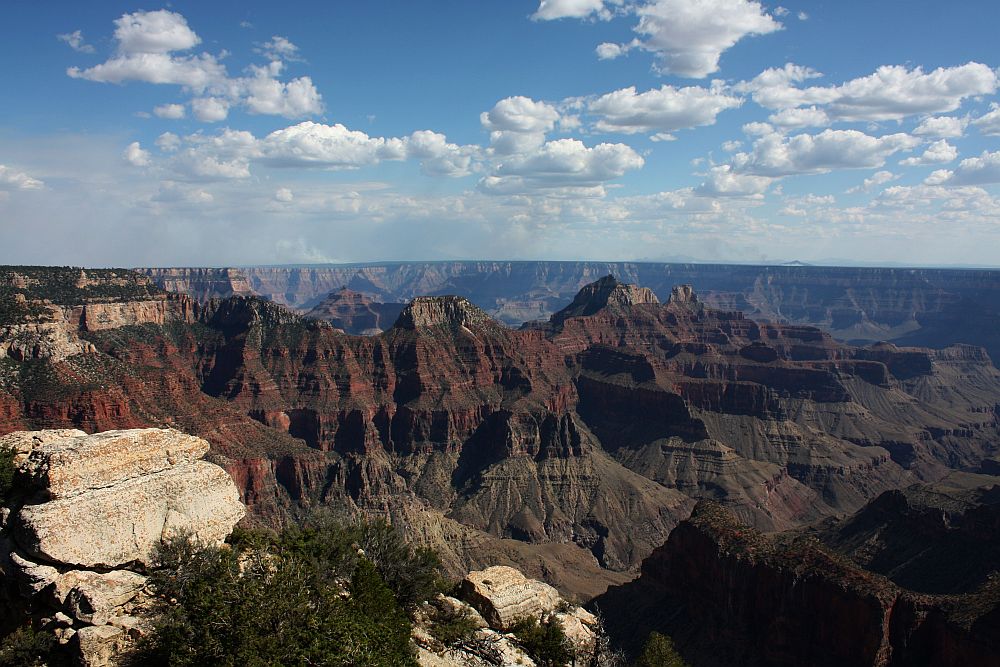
(279, 48)
(519, 124)
(76, 41)
(193, 72)
(168, 142)
(267, 95)
(284, 195)
(437, 156)
(136, 156)
(660, 110)
(938, 152)
(520, 114)
(549, 10)
(562, 164)
(723, 182)
(159, 31)
(172, 111)
(877, 179)
(981, 170)
(775, 155)
(780, 11)
(11, 179)
(989, 123)
(944, 127)
(689, 36)
(610, 50)
(800, 117)
(224, 156)
(147, 42)
(892, 92)
(210, 109)
(328, 146)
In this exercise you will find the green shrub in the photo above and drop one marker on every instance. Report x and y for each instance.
(275, 600)
(6, 472)
(26, 647)
(545, 643)
(659, 651)
(452, 626)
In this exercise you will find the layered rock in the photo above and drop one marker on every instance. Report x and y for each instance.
(593, 431)
(731, 595)
(494, 600)
(88, 511)
(355, 313)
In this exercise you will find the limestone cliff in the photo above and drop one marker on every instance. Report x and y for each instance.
(88, 512)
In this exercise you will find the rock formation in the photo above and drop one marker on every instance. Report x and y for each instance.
(731, 595)
(922, 307)
(89, 511)
(355, 313)
(569, 449)
(495, 599)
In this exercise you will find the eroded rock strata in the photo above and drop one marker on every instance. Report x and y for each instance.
(569, 448)
(729, 595)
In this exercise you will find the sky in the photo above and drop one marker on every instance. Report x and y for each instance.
(239, 133)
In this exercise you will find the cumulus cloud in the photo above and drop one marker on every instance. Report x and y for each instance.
(171, 111)
(892, 92)
(981, 170)
(264, 94)
(210, 109)
(799, 117)
(943, 127)
(284, 195)
(938, 152)
(11, 179)
(230, 154)
(989, 123)
(168, 142)
(665, 109)
(722, 181)
(876, 179)
(519, 124)
(687, 37)
(776, 155)
(76, 41)
(562, 164)
(279, 48)
(148, 46)
(136, 156)
(549, 10)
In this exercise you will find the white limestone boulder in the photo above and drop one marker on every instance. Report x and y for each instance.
(124, 523)
(503, 596)
(77, 463)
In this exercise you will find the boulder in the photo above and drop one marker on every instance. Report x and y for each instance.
(71, 465)
(112, 526)
(98, 644)
(503, 596)
(96, 598)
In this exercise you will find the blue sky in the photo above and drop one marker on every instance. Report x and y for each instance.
(196, 133)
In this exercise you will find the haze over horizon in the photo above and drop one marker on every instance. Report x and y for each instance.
(211, 134)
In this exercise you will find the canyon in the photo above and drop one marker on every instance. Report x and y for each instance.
(911, 306)
(573, 448)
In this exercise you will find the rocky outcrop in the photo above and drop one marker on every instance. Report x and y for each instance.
(355, 313)
(446, 311)
(503, 596)
(89, 511)
(493, 601)
(731, 595)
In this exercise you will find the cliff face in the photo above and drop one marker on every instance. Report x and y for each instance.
(355, 313)
(577, 444)
(731, 595)
(924, 307)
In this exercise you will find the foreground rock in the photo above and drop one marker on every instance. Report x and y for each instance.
(494, 600)
(88, 513)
